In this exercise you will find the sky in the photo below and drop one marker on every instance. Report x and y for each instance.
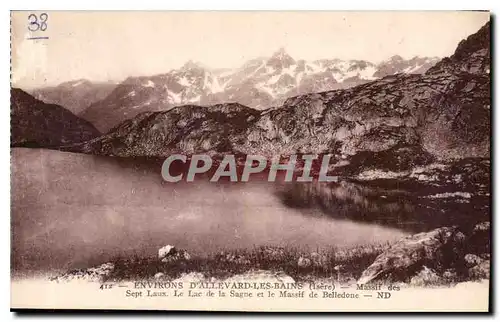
(103, 46)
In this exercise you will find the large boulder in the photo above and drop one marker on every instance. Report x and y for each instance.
(438, 250)
(165, 251)
(169, 254)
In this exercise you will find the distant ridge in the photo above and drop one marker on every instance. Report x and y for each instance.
(36, 124)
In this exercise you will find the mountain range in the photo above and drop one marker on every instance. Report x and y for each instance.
(402, 120)
(398, 122)
(260, 83)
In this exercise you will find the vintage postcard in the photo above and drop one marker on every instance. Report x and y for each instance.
(251, 161)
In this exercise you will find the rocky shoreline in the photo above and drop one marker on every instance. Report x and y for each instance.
(443, 256)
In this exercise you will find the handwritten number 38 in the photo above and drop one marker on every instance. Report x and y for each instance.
(37, 23)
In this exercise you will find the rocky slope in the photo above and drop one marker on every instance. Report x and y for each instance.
(259, 83)
(471, 56)
(443, 114)
(36, 124)
(437, 257)
(76, 95)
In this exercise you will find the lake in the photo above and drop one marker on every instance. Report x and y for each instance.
(74, 210)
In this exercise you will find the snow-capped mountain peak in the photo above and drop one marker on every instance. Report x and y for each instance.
(259, 83)
(192, 65)
(396, 58)
(280, 59)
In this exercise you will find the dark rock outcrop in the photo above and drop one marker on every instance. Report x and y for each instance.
(472, 55)
(439, 249)
(481, 238)
(36, 124)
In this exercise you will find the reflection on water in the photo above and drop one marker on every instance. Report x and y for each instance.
(71, 210)
(410, 206)
(351, 201)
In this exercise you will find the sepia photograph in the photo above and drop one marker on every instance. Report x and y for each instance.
(269, 161)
